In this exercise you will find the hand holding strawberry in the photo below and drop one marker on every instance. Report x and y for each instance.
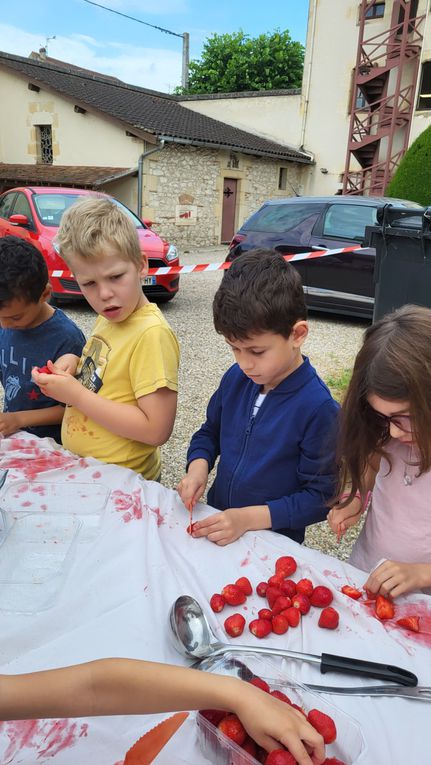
(394, 578)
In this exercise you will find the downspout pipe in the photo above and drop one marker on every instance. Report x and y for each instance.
(143, 156)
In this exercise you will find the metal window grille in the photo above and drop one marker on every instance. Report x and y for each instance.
(45, 134)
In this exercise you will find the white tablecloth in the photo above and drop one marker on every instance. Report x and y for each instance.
(122, 583)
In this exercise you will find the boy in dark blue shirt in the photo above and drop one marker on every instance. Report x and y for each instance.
(31, 332)
(272, 421)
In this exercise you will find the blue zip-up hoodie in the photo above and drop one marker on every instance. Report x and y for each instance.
(284, 457)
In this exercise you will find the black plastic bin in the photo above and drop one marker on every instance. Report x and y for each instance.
(402, 272)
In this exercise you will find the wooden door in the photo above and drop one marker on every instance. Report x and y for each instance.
(228, 209)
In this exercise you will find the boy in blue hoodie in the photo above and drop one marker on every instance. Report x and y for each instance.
(272, 420)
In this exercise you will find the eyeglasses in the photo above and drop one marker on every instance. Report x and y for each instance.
(401, 421)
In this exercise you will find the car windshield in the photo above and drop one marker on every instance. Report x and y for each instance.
(50, 207)
(280, 218)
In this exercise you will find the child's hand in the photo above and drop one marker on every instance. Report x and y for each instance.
(10, 423)
(393, 579)
(342, 518)
(60, 386)
(192, 486)
(66, 363)
(271, 722)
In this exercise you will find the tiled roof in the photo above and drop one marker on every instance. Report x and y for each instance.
(61, 174)
(146, 110)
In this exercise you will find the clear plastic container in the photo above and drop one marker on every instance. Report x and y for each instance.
(85, 500)
(36, 553)
(349, 745)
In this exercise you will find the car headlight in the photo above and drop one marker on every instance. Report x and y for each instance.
(172, 253)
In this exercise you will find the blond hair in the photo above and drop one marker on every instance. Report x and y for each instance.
(92, 224)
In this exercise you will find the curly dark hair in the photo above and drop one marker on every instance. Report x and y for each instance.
(394, 363)
(260, 292)
(23, 271)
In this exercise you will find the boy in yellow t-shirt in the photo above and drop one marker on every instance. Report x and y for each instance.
(121, 404)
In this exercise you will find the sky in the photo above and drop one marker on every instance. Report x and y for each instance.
(86, 35)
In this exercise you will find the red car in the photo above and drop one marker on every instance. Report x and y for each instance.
(34, 213)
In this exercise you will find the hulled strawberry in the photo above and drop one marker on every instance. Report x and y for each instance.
(217, 603)
(265, 613)
(261, 589)
(259, 683)
(280, 604)
(305, 587)
(280, 757)
(213, 716)
(385, 609)
(301, 602)
(280, 625)
(234, 625)
(329, 619)
(288, 588)
(233, 728)
(233, 595)
(244, 584)
(276, 579)
(250, 746)
(321, 597)
(323, 724)
(285, 564)
(272, 594)
(293, 616)
(281, 696)
(260, 628)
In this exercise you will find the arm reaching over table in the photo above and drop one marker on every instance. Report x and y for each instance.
(127, 686)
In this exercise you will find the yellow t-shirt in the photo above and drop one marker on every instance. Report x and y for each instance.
(122, 362)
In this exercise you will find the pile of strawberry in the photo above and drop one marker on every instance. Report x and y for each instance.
(288, 601)
(384, 608)
(230, 725)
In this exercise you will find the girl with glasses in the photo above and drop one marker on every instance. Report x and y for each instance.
(385, 453)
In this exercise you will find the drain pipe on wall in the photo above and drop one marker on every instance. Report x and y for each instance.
(140, 172)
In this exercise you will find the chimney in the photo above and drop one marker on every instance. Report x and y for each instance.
(42, 53)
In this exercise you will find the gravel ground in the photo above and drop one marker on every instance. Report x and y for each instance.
(331, 346)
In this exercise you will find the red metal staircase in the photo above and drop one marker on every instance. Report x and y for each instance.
(385, 74)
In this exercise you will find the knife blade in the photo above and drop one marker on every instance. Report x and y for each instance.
(146, 749)
(419, 693)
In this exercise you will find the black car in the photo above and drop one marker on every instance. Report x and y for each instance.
(335, 283)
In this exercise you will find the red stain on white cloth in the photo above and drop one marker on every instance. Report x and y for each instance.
(130, 505)
(46, 737)
(39, 462)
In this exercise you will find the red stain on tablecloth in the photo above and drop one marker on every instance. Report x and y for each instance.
(97, 474)
(415, 608)
(46, 737)
(157, 512)
(246, 560)
(40, 463)
(131, 506)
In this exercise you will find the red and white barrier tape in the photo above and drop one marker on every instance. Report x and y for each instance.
(200, 267)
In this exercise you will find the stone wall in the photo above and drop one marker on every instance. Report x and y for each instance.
(182, 175)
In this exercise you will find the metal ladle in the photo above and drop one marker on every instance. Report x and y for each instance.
(194, 638)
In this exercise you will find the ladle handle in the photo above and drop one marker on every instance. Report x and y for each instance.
(285, 653)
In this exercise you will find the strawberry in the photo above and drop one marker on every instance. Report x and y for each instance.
(293, 616)
(321, 597)
(250, 746)
(217, 603)
(409, 623)
(259, 683)
(233, 595)
(213, 716)
(265, 613)
(385, 609)
(244, 584)
(272, 594)
(281, 696)
(288, 588)
(261, 589)
(280, 757)
(44, 370)
(234, 625)
(329, 618)
(286, 564)
(233, 728)
(280, 604)
(351, 592)
(280, 625)
(276, 579)
(370, 595)
(298, 709)
(323, 724)
(301, 602)
(260, 628)
(332, 761)
(305, 587)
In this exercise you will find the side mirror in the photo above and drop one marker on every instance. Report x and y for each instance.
(19, 220)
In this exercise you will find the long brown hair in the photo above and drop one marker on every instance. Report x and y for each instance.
(394, 363)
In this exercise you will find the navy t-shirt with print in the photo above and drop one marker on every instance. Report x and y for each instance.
(23, 349)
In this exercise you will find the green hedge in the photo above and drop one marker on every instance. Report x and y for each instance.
(412, 179)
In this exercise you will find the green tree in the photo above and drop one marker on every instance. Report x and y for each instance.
(412, 179)
(235, 62)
